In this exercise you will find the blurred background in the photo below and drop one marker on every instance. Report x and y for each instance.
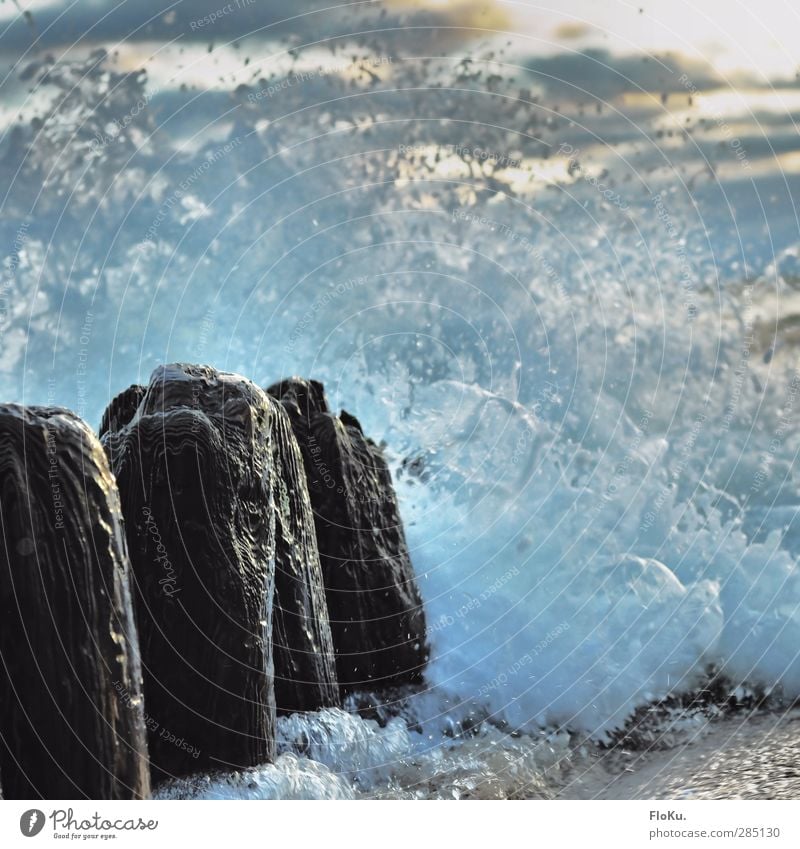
(550, 256)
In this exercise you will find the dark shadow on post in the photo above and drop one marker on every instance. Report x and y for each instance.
(305, 669)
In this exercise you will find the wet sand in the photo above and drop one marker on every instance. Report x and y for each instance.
(733, 758)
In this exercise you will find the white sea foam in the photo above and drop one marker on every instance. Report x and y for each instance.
(589, 409)
(337, 755)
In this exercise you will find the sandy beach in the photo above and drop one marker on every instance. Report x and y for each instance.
(733, 758)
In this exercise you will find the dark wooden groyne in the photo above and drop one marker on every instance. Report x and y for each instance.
(373, 602)
(71, 719)
(187, 578)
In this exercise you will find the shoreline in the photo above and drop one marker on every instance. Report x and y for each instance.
(741, 756)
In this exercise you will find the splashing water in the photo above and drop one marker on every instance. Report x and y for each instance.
(579, 354)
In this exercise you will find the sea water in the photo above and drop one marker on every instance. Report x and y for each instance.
(578, 345)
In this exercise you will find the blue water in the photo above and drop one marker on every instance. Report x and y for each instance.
(589, 356)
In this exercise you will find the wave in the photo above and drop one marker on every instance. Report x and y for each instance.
(589, 414)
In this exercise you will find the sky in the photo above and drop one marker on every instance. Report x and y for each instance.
(734, 37)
